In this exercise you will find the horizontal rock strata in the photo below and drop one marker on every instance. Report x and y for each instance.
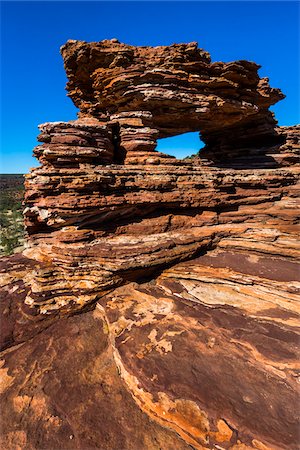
(156, 303)
(170, 90)
(99, 225)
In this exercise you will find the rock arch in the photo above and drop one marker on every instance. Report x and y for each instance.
(164, 91)
(205, 354)
(106, 207)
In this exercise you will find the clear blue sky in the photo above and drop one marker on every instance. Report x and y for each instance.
(33, 78)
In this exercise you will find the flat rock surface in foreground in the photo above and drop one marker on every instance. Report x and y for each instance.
(204, 356)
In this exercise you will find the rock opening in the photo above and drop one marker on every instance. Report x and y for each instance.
(181, 146)
(109, 200)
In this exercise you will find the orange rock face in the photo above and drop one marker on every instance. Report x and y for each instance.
(155, 306)
(163, 91)
(97, 224)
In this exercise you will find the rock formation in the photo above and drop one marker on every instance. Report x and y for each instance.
(164, 91)
(182, 273)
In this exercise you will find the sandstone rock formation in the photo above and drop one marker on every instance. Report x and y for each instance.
(164, 91)
(155, 306)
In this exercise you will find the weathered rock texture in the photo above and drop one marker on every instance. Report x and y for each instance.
(164, 91)
(184, 272)
(99, 225)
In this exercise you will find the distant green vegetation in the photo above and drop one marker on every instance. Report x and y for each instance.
(11, 217)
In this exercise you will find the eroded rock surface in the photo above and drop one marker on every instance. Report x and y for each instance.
(205, 356)
(156, 92)
(96, 226)
(156, 304)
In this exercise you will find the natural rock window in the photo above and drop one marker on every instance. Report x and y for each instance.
(181, 146)
(185, 271)
(109, 204)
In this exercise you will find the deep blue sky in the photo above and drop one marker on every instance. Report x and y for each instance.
(33, 78)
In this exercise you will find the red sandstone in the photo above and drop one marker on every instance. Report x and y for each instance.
(182, 273)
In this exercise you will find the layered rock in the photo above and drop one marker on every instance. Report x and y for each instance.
(170, 90)
(203, 357)
(97, 224)
(184, 272)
